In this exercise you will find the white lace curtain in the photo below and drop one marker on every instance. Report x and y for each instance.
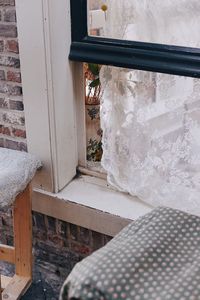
(151, 121)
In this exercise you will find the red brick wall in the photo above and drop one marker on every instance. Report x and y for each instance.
(55, 234)
(12, 122)
(57, 245)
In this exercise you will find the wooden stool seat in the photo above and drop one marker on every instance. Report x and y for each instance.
(15, 190)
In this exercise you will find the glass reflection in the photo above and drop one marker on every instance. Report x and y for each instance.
(172, 22)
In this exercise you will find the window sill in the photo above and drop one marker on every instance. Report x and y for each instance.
(89, 202)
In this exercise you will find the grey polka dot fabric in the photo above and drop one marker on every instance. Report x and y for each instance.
(156, 257)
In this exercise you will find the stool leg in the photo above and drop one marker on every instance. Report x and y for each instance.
(22, 221)
(0, 288)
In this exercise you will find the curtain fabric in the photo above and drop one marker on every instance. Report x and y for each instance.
(151, 121)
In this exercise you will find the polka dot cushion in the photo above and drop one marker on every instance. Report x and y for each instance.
(156, 257)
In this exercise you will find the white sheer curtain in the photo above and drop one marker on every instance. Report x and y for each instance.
(151, 121)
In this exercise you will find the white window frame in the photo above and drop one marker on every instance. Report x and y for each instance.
(44, 33)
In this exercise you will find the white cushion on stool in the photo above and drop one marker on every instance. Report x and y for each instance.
(16, 170)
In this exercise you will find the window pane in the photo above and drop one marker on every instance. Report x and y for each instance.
(153, 21)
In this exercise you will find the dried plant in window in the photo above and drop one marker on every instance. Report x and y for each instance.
(93, 94)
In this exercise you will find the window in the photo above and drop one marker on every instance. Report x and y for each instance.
(46, 94)
(88, 44)
(143, 55)
(52, 128)
(164, 81)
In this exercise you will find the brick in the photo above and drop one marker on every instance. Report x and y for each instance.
(4, 130)
(74, 232)
(40, 222)
(14, 90)
(2, 75)
(13, 118)
(51, 223)
(6, 216)
(97, 239)
(62, 228)
(3, 103)
(9, 61)
(10, 15)
(23, 147)
(9, 31)
(57, 260)
(85, 236)
(81, 249)
(7, 2)
(1, 142)
(13, 76)
(12, 46)
(3, 238)
(9, 240)
(11, 144)
(3, 88)
(16, 105)
(40, 235)
(1, 46)
(54, 238)
(10, 89)
(19, 133)
(49, 247)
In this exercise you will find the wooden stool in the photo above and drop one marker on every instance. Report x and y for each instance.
(20, 254)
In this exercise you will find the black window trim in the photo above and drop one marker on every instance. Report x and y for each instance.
(160, 58)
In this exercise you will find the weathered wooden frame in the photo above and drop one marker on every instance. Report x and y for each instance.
(21, 253)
